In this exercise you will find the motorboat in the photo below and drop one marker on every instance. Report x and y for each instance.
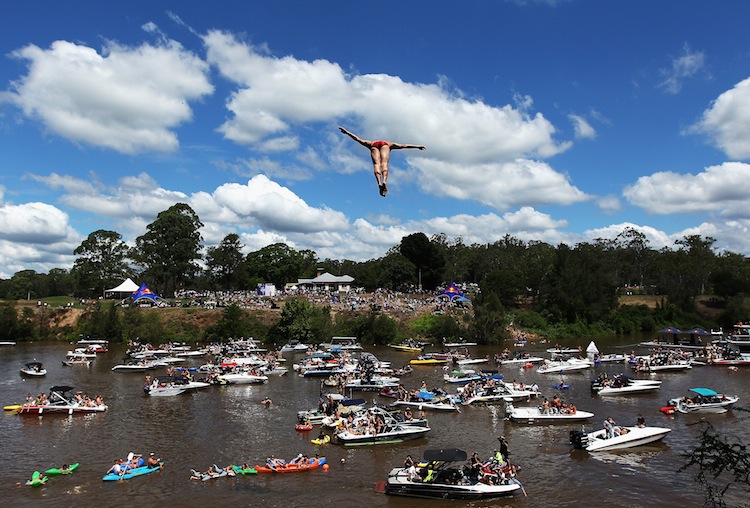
(611, 358)
(33, 369)
(294, 346)
(61, 401)
(82, 351)
(374, 384)
(536, 414)
(135, 366)
(461, 343)
(623, 385)
(558, 351)
(242, 378)
(409, 346)
(364, 429)
(444, 477)
(461, 377)
(703, 400)
(436, 400)
(428, 360)
(569, 365)
(495, 393)
(471, 361)
(75, 359)
(342, 344)
(616, 438)
(166, 386)
(520, 358)
(329, 408)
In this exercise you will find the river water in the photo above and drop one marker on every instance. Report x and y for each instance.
(228, 424)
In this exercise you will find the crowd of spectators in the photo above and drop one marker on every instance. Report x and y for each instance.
(385, 300)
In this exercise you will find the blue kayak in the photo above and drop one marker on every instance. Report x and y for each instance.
(139, 471)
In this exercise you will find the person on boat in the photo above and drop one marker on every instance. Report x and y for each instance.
(609, 426)
(380, 153)
(117, 468)
(640, 421)
(296, 460)
(274, 463)
(407, 414)
(153, 461)
(410, 468)
(503, 446)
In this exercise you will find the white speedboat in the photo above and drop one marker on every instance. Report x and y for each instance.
(612, 358)
(61, 401)
(704, 400)
(167, 386)
(471, 361)
(135, 366)
(82, 351)
(363, 430)
(618, 438)
(294, 346)
(522, 358)
(623, 385)
(375, 384)
(570, 365)
(73, 360)
(442, 477)
(460, 377)
(390, 434)
(496, 393)
(440, 401)
(242, 378)
(536, 414)
(33, 369)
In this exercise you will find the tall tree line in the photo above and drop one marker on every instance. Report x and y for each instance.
(579, 283)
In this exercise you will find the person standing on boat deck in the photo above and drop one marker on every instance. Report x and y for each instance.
(503, 446)
(609, 426)
(380, 152)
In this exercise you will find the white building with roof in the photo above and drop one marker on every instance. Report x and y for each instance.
(327, 282)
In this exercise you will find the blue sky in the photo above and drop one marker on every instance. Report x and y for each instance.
(557, 121)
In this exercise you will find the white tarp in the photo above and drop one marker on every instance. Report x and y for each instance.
(127, 286)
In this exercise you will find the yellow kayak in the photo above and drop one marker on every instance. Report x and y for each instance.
(12, 407)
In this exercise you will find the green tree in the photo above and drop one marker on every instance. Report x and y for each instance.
(102, 262)
(22, 285)
(427, 256)
(397, 272)
(223, 262)
(59, 282)
(278, 263)
(302, 321)
(489, 324)
(232, 324)
(170, 249)
(578, 287)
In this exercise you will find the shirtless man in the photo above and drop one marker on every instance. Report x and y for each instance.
(380, 152)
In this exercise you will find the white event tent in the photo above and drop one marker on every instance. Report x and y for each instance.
(127, 286)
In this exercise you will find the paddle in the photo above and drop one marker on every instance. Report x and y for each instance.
(124, 469)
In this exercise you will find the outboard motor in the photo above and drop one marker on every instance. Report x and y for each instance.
(578, 439)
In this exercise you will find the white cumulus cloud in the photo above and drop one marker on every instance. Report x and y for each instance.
(127, 99)
(723, 188)
(727, 121)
